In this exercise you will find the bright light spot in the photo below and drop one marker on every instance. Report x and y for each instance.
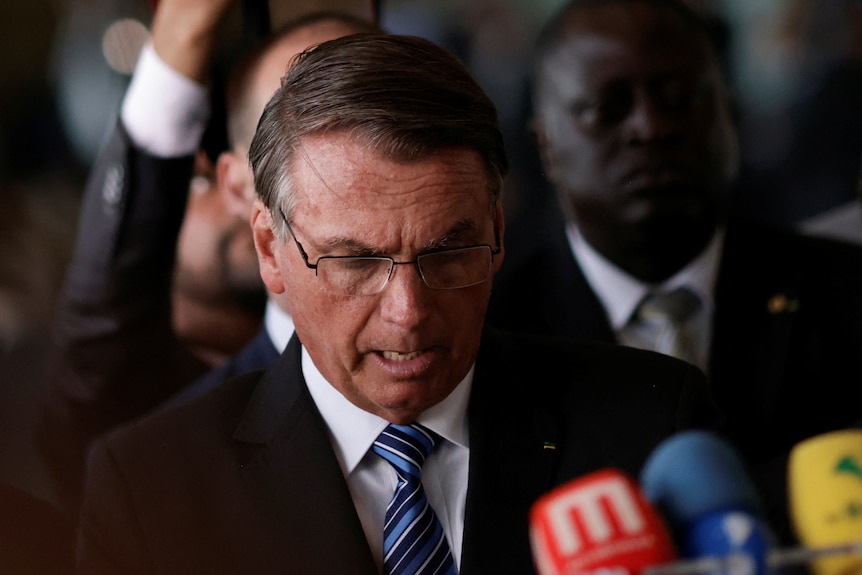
(122, 44)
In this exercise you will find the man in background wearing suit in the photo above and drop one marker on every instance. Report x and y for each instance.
(378, 166)
(635, 125)
(124, 334)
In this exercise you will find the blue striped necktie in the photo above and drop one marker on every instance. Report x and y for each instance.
(413, 539)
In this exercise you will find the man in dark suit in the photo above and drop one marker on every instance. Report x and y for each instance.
(378, 166)
(164, 266)
(637, 135)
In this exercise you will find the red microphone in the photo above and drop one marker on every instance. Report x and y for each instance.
(601, 521)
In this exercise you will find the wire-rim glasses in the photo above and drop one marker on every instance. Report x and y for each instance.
(445, 269)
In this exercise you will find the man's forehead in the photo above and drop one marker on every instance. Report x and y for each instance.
(350, 233)
(337, 174)
(653, 27)
(344, 154)
(341, 173)
(598, 58)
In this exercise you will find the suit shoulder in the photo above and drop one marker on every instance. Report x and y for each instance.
(557, 361)
(788, 246)
(588, 386)
(215, 412)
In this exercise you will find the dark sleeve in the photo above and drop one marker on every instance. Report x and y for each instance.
(116, 355)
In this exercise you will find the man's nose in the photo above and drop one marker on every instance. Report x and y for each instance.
(648, 120)
(405, 298)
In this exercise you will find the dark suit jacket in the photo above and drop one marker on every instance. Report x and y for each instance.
(244, 480)
(787, 337)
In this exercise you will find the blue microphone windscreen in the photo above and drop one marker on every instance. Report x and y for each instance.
(693, 473)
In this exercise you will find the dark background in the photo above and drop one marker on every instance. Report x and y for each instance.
(795, 67)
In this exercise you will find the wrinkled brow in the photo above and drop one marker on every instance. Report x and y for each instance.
(351, 245)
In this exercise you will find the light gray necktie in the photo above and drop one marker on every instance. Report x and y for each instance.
(665, 323)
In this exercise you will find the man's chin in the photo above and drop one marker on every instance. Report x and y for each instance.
(672, 210)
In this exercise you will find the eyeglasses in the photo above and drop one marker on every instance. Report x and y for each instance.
(368, 275)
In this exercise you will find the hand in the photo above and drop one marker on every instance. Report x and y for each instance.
(186, 33)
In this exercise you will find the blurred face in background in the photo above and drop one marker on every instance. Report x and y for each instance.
(217, 263)
(215, 254)
(216, 271)
(234, 172)
(636, 133)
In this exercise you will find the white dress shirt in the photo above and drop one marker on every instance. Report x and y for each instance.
(278, 325)
(164, 112)
(620, 293)
(372, 480)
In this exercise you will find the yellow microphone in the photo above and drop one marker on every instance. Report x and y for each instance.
(825, 497)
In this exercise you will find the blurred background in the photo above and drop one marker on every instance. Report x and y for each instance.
(794, 65)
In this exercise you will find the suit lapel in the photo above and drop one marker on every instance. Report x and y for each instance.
(756, 303)
(293, 474)
(569, 295)
(511, 464)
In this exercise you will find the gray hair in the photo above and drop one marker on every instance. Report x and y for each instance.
(404, 96)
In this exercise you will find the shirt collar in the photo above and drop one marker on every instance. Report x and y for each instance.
(353, 430)
(278, 324)
(620, 293)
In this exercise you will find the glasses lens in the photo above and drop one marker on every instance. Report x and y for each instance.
(353, 276)
(456, 268)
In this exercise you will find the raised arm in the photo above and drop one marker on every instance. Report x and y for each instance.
(117, 354)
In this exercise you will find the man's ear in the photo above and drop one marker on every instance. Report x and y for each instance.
(235, 183)
(268, 247)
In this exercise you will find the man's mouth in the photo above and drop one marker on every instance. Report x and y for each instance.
(396, 356)
(659, 179)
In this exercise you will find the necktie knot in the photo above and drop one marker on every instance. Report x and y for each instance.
(406, 447)
(676, 305)
(671, 322)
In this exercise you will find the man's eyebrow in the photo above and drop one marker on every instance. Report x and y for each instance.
(463, 227)
(353, 246)
(350, 245)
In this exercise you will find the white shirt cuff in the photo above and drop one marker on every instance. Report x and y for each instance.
(164, 112)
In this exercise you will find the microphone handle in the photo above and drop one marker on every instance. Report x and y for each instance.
(797, 555)
(699, 566)
(776, 558)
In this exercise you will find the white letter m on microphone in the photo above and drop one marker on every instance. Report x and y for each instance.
(598, 526)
